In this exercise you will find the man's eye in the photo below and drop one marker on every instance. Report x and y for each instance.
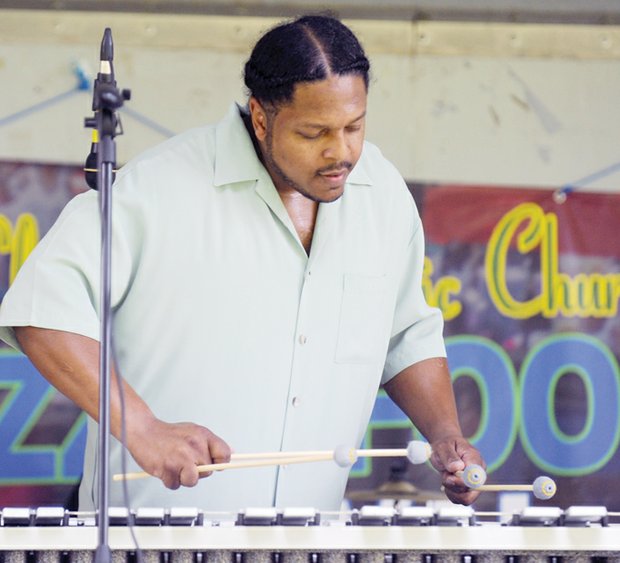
(311, 136)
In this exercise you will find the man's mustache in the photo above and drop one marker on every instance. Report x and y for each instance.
(338, 167)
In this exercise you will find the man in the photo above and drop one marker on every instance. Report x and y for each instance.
(266, 280)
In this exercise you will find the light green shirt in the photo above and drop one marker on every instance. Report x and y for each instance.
(222, 319)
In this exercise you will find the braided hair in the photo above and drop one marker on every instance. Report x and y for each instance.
(307, 49)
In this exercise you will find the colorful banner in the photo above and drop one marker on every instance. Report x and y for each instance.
(41, 432)
(528, 284)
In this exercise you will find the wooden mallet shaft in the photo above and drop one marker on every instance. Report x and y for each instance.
(250, 460)
(395, 452)
(233, 465)
(505, 488)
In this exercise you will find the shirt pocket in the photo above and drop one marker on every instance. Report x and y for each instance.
(361, 331)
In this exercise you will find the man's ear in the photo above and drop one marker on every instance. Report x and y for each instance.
(259, 118)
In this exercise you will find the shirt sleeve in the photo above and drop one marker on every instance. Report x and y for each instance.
(58, 285)
(417, 330)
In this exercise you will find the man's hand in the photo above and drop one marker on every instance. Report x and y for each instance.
(172, 451)
(449, 456)
(424, 392)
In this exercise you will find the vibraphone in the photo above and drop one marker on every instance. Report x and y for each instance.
(373, 534)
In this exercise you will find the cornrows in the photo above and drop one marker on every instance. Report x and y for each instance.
(307, 49)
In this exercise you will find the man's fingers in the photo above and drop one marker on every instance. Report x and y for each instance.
(445, 458)
(170, 478)
(188, 477)
(176, 450)
(219, 450)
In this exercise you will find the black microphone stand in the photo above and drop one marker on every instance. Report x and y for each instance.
(106, 100)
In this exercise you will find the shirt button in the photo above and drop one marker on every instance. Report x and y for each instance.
(303, 339)
(296, 401)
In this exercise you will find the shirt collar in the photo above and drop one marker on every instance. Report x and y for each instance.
(237, 161)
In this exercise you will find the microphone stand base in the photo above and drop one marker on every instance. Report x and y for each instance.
(103, 554)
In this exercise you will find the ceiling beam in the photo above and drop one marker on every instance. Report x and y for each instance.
(592, 12)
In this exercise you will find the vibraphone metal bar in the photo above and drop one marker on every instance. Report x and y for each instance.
(371, 535)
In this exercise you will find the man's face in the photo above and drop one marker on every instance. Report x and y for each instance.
(311, 144)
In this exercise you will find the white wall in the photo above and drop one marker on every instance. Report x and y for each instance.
(473, 103)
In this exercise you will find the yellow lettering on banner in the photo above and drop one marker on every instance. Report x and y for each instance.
(18, 242)
(584, 295)
(6, 234)
(440, 294)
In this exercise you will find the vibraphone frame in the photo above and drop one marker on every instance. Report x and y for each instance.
(365, 537)
(327, 544)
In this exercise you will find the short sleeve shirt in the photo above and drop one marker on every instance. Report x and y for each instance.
(221, 317)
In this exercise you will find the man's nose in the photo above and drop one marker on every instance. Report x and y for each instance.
(337, 148)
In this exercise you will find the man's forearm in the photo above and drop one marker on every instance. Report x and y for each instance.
(170, 451)
(70, 362)
(424, 392)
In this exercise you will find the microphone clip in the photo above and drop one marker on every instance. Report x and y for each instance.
(107, 98)
(105, 122)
